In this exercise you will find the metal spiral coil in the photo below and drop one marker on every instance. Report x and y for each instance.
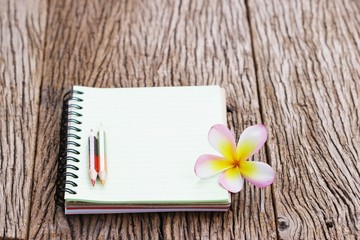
(68, 144)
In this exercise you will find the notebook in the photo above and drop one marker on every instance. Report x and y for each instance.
(154, 136)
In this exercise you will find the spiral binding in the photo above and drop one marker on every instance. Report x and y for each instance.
(68, 145)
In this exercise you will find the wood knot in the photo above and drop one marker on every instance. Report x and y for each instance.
(282, 224)
(329, 224)
(231, 109)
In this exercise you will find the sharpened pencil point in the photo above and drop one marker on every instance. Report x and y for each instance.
(93, 182)
(102, 182)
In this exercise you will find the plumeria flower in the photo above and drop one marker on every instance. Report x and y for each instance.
(233, 164)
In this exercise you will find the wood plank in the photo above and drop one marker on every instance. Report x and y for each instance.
(157, 43)
(22, 32)
(308, 65)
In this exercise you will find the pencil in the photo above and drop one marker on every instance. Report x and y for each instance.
(102, 155)
(92, 153)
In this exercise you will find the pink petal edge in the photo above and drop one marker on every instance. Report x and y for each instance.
(259, 174)
(256, 136)
(231, 180)
(208, 165)
(223, 140)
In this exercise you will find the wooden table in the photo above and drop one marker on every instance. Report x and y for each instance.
(293, 65)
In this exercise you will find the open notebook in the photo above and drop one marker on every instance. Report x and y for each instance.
(153, 138)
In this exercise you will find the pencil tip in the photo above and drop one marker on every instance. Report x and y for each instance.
(93, 182)
(102, 182)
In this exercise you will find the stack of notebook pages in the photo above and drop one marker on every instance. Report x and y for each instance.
(153, 138)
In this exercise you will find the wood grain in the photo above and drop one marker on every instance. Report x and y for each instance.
(157, 43)
(308, 65)
(22, 32)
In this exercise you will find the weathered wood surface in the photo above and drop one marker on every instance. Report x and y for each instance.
(22, 32)
(157, 43)
(308, 67)
(291, 64)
